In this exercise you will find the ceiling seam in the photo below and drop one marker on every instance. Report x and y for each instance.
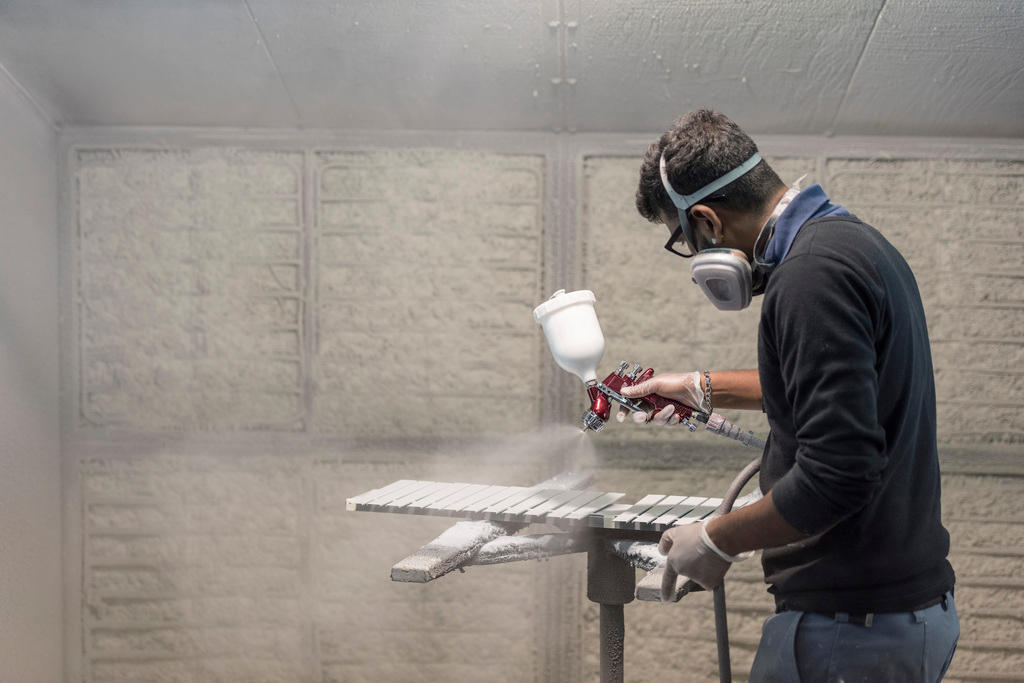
(50, 119)
(860, 59)
(273, 62)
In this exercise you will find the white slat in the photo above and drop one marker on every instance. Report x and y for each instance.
(663, 506)
(641, 506)
(450, 501)
(480, 500)
(514, 513)
(497, 502)
(423, 504)
(603, 519)
(594, 506)
(537, 513)
(378, 503)
(748, 499)
(397, 504)
(573, 505)
(700, 512)
(351, 503)
(506, 501)
(676, 512)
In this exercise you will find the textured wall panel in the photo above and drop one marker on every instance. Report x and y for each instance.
(987, 543)
(250, 569)
(429, 264)
(194, 569)
(190, 289)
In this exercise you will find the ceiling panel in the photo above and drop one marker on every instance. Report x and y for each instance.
(917, 67)
(774, 66)
(941, 67)
(430, 64)
(187, 62)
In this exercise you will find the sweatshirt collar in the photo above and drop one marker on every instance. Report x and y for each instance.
(810, 203)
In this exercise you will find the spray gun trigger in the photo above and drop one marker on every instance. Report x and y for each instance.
(631, 403)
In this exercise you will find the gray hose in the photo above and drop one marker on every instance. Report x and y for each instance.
(737, 485)
(721, 622)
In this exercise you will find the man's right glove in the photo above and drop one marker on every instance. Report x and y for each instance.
(693, 554)
(690, 556)
(685, 387)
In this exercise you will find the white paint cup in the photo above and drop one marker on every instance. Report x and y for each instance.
(573, 333)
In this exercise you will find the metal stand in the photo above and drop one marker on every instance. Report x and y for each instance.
(722, 636)
(613, 632)
(611, 582)
(613, 555)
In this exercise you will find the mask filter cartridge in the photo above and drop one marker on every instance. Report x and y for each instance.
(724, 275)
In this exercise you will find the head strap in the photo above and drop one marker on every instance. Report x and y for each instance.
(685, 201)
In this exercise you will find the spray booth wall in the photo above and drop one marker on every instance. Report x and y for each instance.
(258, 328)
(30, 529)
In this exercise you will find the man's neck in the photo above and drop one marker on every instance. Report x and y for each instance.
(759, 220)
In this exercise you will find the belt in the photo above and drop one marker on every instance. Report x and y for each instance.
(867, 618)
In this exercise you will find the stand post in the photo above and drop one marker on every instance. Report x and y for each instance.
(722, 636)
(611, 582)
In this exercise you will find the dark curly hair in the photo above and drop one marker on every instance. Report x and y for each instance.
(702, 146)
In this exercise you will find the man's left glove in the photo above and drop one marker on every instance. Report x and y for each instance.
(691, 553)
(683, 387)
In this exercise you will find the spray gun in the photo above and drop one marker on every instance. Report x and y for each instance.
(611, 388)
(577, 344)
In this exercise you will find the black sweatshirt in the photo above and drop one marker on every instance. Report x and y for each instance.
(846, 376)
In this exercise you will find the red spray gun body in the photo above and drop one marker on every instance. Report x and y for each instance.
(603, 393)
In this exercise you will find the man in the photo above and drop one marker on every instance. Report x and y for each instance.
(854, 548)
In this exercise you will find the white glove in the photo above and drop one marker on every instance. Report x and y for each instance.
(685, 387)
(691, 553)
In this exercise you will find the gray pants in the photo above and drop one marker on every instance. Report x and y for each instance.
(900, 647)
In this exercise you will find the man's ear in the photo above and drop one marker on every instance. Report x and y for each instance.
(706, 219)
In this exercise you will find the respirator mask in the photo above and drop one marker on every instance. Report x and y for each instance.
(724, 275)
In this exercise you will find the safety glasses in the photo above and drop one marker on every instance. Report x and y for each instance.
(685, 240)
(682, 247)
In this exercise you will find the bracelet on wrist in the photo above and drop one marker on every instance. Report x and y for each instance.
(706, 403)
